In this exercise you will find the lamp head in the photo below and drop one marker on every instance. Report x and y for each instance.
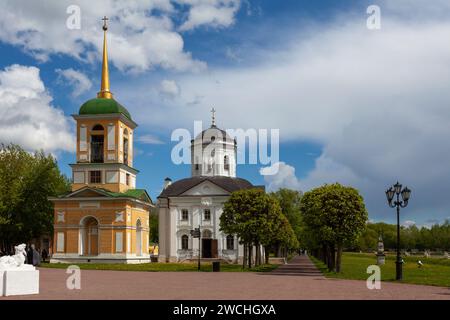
(397, 188)
(406, 194)
(390, 194)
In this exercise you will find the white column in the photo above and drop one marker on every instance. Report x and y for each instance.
(111, 137)
(130, 148)
(83, 137)
(120, 144)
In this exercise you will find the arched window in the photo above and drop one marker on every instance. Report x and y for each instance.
(185, 242)
(226, 163)
(97, 141)
(230, 242)
(206, 234)
(97, 127)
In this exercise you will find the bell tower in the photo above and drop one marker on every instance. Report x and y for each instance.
(105, 219)
(105, 132)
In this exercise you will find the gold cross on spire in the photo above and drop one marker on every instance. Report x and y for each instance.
(213, 114)
(104, 88)
(105, 24)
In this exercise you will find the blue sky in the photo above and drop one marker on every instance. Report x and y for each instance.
(358, 106)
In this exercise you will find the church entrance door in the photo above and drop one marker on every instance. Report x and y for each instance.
(90, 237)
(214, 248)
(206, 248)
(209, 248)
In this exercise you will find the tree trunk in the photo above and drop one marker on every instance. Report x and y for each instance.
(328, 254)
(244, 260)
(250, 254)
(331, 257)
(278, 250)
(266, 254)
(339, 257)
(260, 257)
(325, 254)
(257, 254)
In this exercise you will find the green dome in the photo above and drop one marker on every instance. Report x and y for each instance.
(103, 106)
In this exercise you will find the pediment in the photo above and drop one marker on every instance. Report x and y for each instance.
(87, 193)
(205, 188)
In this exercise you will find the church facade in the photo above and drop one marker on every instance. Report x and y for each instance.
(104, 218)
(197, 202)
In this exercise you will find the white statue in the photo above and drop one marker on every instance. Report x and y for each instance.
(17, 277)
(15, 261)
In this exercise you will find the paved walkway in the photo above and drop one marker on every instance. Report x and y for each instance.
(297, 280)
(299, 266)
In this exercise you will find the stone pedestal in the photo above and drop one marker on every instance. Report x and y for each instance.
(19, 281)
(381, 259)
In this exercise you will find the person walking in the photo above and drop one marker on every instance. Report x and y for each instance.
(36, 257)
(44, 255)
(29, 254)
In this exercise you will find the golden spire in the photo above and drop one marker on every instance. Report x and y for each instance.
(104, 88)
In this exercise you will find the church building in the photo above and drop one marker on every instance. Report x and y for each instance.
(104, 218)
(197, 202)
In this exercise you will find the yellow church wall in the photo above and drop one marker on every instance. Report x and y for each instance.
(72, 240)
(106, 241)
(105, 214)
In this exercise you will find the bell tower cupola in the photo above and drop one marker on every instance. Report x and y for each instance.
(213, 152)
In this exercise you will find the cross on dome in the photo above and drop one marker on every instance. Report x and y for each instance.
(213, 114)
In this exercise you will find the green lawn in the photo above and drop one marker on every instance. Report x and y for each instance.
(157, 267)
(435, 271)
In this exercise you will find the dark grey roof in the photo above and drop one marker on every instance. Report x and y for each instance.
(227, 183)
(211, 132)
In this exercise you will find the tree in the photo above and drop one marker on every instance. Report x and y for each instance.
(154, 225)
(435, 237)
(278, 230)
(256, 218)
(26, 182)
(289, 201)
(338, 216)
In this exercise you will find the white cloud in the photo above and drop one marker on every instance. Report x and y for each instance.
(149, 139)
(233, 54)
(408, 223)
(27, 116)
(79, 81)
(284, 178)
(169, 89)
(142, 33)
(215, 13)
(377, 101)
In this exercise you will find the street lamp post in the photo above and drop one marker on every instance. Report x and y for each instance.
(195, 233)
(396, 190)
